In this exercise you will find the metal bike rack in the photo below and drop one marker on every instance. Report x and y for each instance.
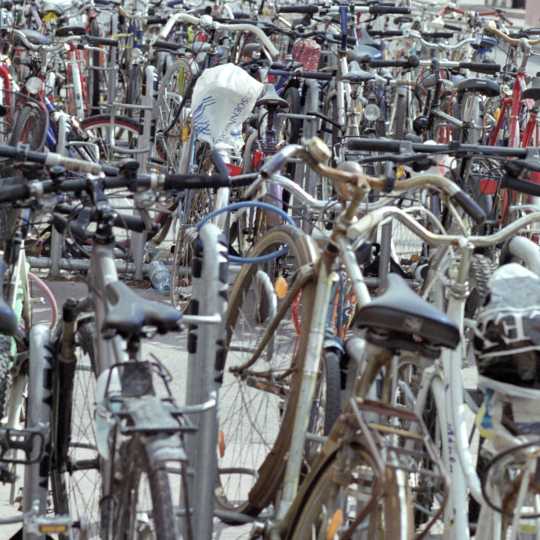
(204, 344)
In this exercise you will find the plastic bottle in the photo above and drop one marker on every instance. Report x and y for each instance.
(159, 276)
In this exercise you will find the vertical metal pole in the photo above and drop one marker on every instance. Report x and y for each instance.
(57, 239)
(138, 240)
(38, 417)
(384, 254)
(204, 344)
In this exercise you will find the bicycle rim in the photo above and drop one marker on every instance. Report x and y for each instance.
(256, 405)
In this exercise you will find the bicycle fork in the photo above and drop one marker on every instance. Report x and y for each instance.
(311, 367)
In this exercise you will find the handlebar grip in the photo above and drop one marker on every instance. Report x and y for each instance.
(389, 10)
(487, 68)
(173, 3)
(385, 33)
(437, 35)
(156, 20)
(470, 206)
(318, 75)
(372, 145)
(516, 166)
(129, 222)
(95, 40)
(14, 193)
(307, 10)
(411, 62)
(523, 186)
(162, 44)
(186, 181)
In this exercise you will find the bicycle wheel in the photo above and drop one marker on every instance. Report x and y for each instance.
(5, 374)
(342, 493)
(196, 204)
(172, 123)
(258, 397)
(75, 476)
(94, 83)
(30, 127)
(142, 505)
(327, 402)
(111, 137)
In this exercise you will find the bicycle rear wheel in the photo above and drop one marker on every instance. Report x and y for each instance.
(75, 474)
(258, 398)
(345, 490)
(141, 505)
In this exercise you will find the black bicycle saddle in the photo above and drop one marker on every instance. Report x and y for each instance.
(399, 309)
(127, 312)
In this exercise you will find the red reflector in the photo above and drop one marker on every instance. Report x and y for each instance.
(234, 170)
(257, 159)
(488, 186)
(534, 177)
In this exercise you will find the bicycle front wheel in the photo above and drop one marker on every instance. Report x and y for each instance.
(258, 396)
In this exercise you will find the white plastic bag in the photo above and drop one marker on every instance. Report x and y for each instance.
(223, 99)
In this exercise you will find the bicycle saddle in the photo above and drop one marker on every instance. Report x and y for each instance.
(363, 53)
(401, 310)
(357, 74)
(35, 37)
(486, 87)
(270, 98)
(127, 312)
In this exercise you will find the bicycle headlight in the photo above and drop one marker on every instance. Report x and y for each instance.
(34, 85)
(372, 112)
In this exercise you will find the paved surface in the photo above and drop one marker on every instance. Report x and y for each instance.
(171, 350)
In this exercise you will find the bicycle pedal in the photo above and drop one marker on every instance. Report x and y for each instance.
(30, 441)
(47, 524)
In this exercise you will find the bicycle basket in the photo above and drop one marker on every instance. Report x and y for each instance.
(308, 53)
(507, 337)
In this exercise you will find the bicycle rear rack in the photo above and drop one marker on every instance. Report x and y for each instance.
(398, 439)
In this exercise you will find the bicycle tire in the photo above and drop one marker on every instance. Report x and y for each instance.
(327, 492)
(94, 93)
(197, 204)
(327, 404)
(102, 122)
(30, 127)
(400, 120)
(135, 458)
(5, 375)
(270, 464)
(105, 120)
(75, 387)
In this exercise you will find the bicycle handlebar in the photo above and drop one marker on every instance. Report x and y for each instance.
(206, 21)
(440, 46)
(513, 42)
(395, 146)
(315, 153)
